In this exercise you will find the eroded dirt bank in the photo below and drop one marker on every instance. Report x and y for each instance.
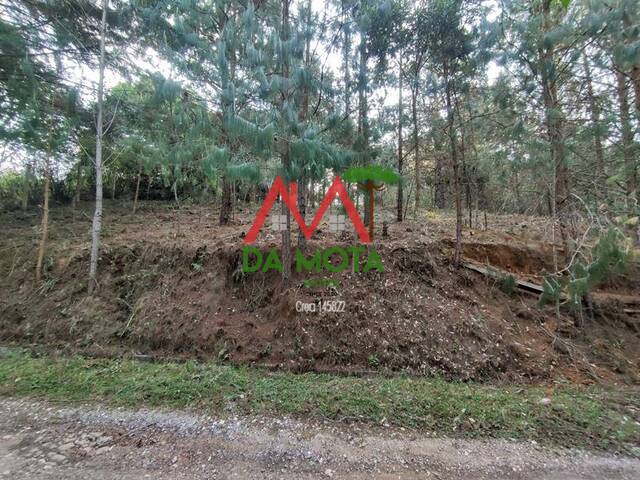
(40, 440)
(171, 284)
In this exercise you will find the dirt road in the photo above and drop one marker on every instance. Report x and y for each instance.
(44, 440)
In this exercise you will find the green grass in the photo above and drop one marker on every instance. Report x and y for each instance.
(591, 418)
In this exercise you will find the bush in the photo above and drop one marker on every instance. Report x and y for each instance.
(609, 258)
(11, 188)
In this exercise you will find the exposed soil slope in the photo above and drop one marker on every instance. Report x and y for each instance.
(171, 284)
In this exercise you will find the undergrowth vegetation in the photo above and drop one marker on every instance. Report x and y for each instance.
(569, 416)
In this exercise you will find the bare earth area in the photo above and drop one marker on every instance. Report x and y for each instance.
(172, 285)
(43, 440)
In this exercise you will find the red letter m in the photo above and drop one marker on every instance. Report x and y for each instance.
(289, 198)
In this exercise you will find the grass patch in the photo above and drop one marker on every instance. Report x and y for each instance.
(592, 418)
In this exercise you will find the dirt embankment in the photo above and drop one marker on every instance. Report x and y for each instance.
(165, 290)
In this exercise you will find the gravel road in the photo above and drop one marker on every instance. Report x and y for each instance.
(46, 440)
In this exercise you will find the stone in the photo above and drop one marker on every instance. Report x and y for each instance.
(66, 447)
(57, 457)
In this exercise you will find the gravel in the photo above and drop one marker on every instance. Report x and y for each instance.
(45, 440)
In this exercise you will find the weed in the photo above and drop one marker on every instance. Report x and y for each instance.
(373, 360)
(508, 284)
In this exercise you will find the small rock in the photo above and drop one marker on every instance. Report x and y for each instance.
(66, 447)
(544, 401)
(57, 457)
(328, 472)
(100, 441)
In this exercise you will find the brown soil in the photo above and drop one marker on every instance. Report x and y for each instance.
(171, 284)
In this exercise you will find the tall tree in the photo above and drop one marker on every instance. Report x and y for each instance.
(400, 198)
(96, 227)
(449, 48)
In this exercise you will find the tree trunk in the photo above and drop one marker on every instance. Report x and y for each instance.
(174, 189)
(463, 159)
(76, 196)
(369, 188)
(456, 178)
(148, 185)
(363, 126)
(594, 111)
(635, 78)
(45, 223)
(26, 187)
(225, 206)
(400, 199)
(97, 216)
(516, 191)
(135, 197)
(346, 60)
(302, 208)
(286, 234)
(627, 134)
(555, 123)
(439, 191)
(362, 94)
(416, 151)
(303, 116)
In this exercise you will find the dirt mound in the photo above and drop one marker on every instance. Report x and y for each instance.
(178, 296)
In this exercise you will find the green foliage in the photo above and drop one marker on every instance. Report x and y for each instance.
(551, 290)
(11, 190)
(508, 284)
(608, 259)
(582, 418)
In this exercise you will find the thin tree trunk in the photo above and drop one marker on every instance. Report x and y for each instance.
(304, 114)
(234, 199)
(97, 216)
(516, 191)
(26, 187)
(45, 223)
(286, 234)
(463, 158)
(149, 185)
(346, 60)
(416, 151)
(554, 121)
(174, 188)
(370, 188)
(135, 197)
(594, 110)
(76, 195)
(362, 94)
(363, 124)
(456, 178)
(439, 193)
(627, 134)
(400, 199)
(225, 206)
(635, 79)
